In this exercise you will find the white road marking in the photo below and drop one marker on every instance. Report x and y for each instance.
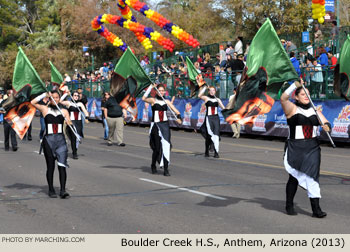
(183, 189)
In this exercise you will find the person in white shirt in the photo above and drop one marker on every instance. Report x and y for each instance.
(239, 46)
(67, 78)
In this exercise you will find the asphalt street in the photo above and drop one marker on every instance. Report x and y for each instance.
(113, 191)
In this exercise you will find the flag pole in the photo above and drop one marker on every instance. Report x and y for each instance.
(318, 117)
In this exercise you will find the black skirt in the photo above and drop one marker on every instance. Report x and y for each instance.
(58, 147)
(304, 155)
(160, 140)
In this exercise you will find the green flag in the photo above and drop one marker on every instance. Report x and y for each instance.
(268, 67)
(192, 71)
(128, 65)
(56, 76)
(25, 73)
(195, 77)
(267, 51)
(341, 84)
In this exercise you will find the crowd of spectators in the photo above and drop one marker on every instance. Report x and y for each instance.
(223, 70)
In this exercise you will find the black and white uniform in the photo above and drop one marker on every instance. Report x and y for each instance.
(302, 157)
(160, 134)
(55, 148)
(210, 129)
(77, 120)
(54, 142)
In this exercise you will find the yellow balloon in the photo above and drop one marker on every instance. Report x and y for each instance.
(321, 20)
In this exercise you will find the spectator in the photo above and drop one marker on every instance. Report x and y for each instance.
(113, 112)
(335, 35)
(67, 78)
(238, 67)
(332, 60)
(1, 115)
(143, 62)
(217, 75)
(335, 30)
(316, 79)
(323, 59)
(8, 131)
(83, 99)
(229, 49)
(157, 64)
(105, 70)
(318, 34)
(309, 70)
(295, 62)
(247, 46)
(105, 97)
(284, 44)
(110, 66)
(230, 62)
(291, 47)
(223, 58)
(239, 45)
(199, 59)
(197, 66)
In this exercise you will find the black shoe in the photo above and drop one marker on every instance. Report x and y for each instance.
(316, 209)
(216, 155)
(64, 195)
(75, 156)
(29, 138)
(52, 194)
(206, 153)
(7, 149)
(109, 144)
(166, 172)
(122, 144)
(154, 169)
(14, 148)
(290, 210)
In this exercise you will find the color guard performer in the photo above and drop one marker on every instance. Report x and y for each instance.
(160, 130)
(210, 129)
(75, 109)
(54, 142)
(302, 156)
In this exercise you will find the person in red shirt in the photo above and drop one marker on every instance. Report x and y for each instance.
(332, 60)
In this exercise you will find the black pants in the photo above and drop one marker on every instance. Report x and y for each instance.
(8, 131)
(73, 141)
(291, 189)
(50, 164)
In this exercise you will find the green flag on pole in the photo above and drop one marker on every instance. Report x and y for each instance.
(341, 84)
(267, 51)
(195, 77)
(56, 76)
(268, 67)
(25, 73)
(192, 71)
(128, 65)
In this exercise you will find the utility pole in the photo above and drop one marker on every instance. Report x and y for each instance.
(93, 63)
